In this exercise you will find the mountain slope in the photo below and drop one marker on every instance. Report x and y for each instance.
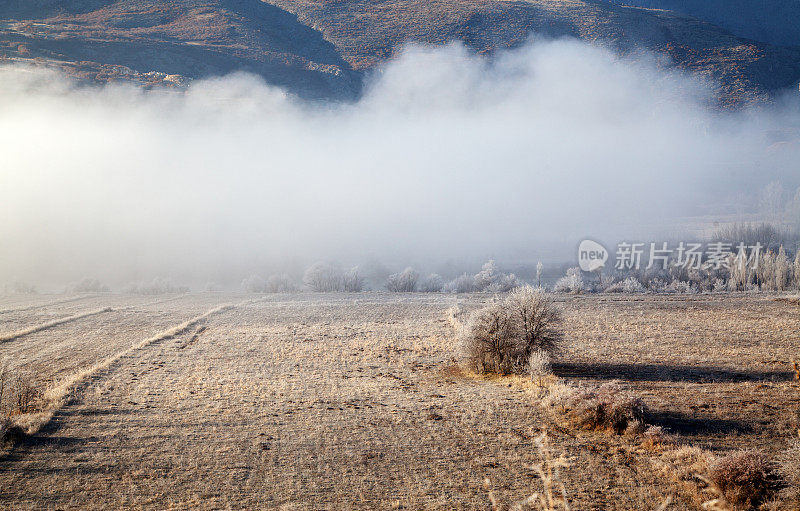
(770, 21)
(320, 48)
(128, 39)
(367, 31)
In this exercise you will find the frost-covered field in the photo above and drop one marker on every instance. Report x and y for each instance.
(338, 401)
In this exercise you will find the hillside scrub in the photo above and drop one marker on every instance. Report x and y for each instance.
(18, 395)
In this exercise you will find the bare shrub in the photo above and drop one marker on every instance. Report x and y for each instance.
(492, 280)
(500, 338)
(537, 320)
(352, 281)
(433, 283)
(504, 284)
(631, 285)
(487, 276)
(606, 407)
(680, 287)
(789, 468)
(462, 284)
(18, 393)
(491, 339)
(572, 282)
(323, 278)
(25, 394)
(280, 283)
(403, 282)
(745, 478)
(766, 271)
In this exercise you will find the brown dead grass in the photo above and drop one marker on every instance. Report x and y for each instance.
(355, 402)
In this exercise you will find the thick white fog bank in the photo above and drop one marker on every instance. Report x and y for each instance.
(446, 155)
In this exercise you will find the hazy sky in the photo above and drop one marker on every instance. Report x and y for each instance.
(447, 155)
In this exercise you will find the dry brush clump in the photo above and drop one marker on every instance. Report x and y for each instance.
(745, 478)
(607, 407)
(10, 433)
(501, 337)
(18, 392)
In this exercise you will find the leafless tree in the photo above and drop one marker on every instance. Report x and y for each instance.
(403, 282)
(323, 277)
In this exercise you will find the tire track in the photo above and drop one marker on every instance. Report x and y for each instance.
(12, 336)
(61, 395)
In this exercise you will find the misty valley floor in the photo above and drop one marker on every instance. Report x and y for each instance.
(351, 401)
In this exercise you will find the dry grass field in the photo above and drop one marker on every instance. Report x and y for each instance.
(356, 401)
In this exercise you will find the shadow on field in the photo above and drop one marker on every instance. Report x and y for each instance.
(664, 372)
(682, 424)
(48, 436)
